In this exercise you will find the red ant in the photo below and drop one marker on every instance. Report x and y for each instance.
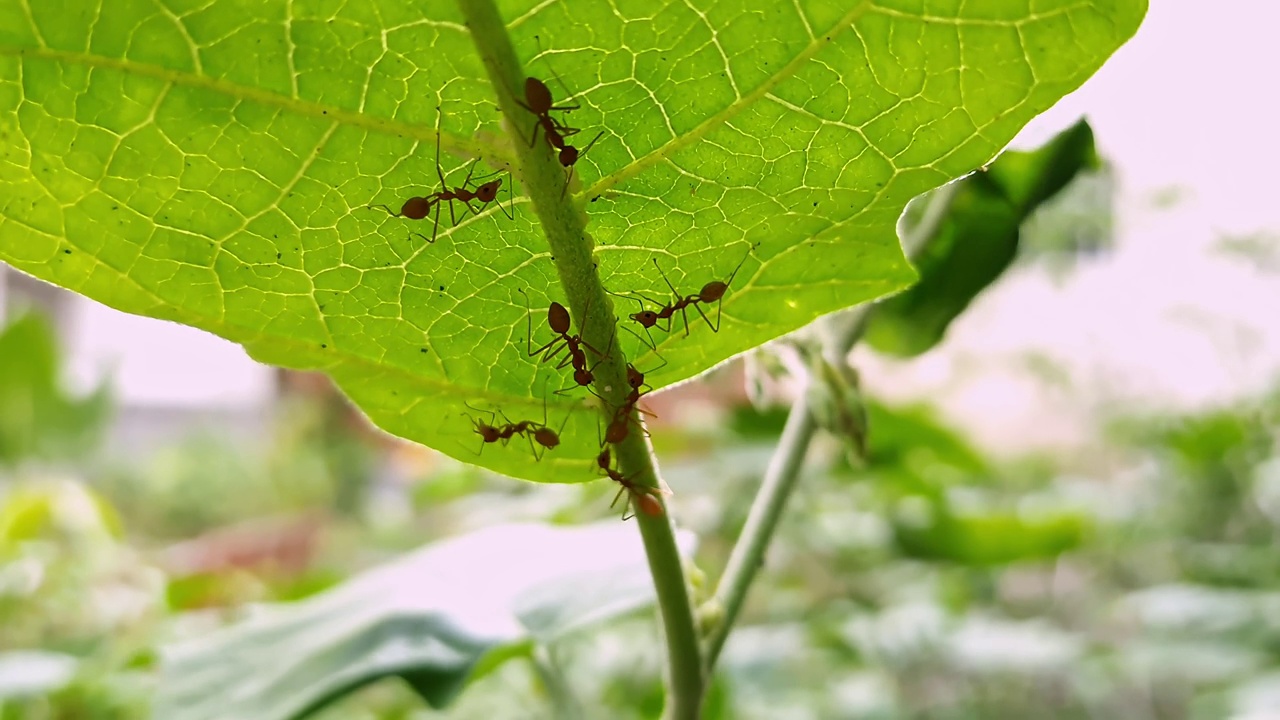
(559, 321)
(488, 432)
(712, 292)
(643, 496)
(538, 101)
(417, 208)
(533, 431)
(618, 428)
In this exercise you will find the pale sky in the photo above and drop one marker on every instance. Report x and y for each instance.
(1164, 319)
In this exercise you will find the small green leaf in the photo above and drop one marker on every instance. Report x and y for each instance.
(977, 240)
(211, 163)
(437, 618)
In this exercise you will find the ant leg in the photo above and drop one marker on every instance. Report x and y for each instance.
(568, 178)
(439, 172)
(511, 191)
(616, 497)
(676, 294)
(533, 138)
(587, 149)
(651, 345)
(466, 182)
(435, 227)
(384, 207)
(529, 337)
(716, 327)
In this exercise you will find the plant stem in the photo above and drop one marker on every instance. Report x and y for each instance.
(571, 248)
(844, 331)
(748, 554)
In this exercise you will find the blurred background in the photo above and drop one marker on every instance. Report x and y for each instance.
(1068, 508)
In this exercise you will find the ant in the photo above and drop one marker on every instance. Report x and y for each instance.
(533, 431)
(559, 321)
(712, 292)
(538, 101)
(643, 496)
(618, 427)
(417, 208)
(488, 432)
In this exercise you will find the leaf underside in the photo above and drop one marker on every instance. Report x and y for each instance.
(211, 163)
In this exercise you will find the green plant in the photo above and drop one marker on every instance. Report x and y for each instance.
(204, 166)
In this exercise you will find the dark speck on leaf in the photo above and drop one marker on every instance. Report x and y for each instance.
(67, 252)
(278, 254)
(422, 350)
(115, 207)
(322, 345)
(442, 287)
(815, 204)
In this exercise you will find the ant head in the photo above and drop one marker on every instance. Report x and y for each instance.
(635, 378)
(415, 208)
(558, 318)
(568, 155)
(583, 377)
(485, 430)
(712, 291)
(488, 192)
(538, 95)
(647, 318)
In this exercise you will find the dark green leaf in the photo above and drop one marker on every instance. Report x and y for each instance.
(977, 240)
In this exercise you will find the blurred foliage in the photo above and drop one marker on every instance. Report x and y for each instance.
(929, 582)
(38, 419)
(979, 236)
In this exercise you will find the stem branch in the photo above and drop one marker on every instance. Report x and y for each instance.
(844, 331)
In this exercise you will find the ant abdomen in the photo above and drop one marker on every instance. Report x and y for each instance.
(416, 208)
(537, 94)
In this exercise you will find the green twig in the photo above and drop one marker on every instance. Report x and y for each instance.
(571, 248)
(843, 332)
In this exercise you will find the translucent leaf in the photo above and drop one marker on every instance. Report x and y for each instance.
(211, 163)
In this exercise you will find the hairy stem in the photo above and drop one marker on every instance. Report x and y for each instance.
(571, 249)
(844, 331)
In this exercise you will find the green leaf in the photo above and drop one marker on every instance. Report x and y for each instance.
(437, 618)
(988, 538)
(210, 163)
(37, 417)
(977, 240)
